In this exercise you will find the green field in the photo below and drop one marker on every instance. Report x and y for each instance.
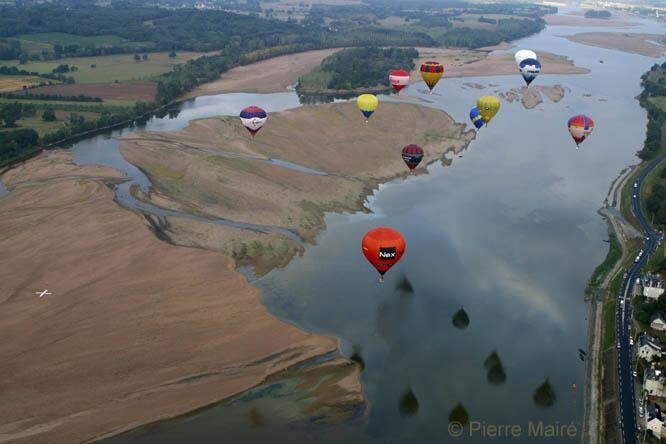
(43, 127)
(121, 67)
(107, 104)
(59, 38)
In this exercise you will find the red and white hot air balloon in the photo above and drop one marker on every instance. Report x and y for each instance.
(399, 79)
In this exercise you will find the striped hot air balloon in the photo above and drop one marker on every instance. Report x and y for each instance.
(431, 72)
(253, 118)
(399, 79)
(580, 127)
(412, 155)
(476, 118)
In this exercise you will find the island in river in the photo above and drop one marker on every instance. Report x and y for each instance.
(135, 329)
(215, 169)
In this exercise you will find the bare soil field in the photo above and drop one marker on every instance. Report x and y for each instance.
(131, 91)
(16, 83)
(272, 75)
(645, 44)
(135, 329)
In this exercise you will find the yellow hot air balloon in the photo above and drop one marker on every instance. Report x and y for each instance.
(367, 103)
(488, 107)
(431, 72)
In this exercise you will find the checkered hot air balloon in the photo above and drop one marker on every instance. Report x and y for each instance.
(431, 72)
(253, 118)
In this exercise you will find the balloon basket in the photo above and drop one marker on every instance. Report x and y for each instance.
(381, 279)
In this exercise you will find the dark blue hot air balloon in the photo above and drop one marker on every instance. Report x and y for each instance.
(530, 69)
(476, 117)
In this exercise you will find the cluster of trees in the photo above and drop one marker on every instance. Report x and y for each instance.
(11, 112)
(597, 14)
(645, 309)
(16, 143)
(14, 71)
(10, 49)
(28, 95)
(654, 85)
(507, 29)
(355, 68)
(656, 200)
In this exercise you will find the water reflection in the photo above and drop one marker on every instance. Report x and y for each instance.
(496, 374)
(544, 395)
(459, 414)
(404, 285)
(460, 319)
(409, 405)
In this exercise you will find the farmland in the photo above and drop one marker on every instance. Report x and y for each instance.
(14, 83)
(120, 67)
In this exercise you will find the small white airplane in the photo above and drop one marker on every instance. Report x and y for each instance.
(42, 293)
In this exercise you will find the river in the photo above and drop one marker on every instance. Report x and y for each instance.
(509, 231)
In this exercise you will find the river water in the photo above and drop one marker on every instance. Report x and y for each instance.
(509, 231)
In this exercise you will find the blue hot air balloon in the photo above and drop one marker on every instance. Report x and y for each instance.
(530, 68)
(476, 117)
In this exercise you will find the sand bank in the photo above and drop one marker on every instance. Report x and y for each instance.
(135, 329)
(271, 75)
(644, 44)
(581, 20)
(477, 63)
(533, 96)
(333, 138)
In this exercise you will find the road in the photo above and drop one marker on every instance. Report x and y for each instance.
(623, 315)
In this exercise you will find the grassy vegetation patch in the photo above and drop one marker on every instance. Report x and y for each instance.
(599, 273)
(17, 83)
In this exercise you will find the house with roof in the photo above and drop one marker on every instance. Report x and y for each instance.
(657, 322)
(648, 347)
(654, 421)
(653, 383)
(653, 286)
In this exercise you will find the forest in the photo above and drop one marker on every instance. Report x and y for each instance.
(355, 68)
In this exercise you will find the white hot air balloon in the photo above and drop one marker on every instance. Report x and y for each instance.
(524, 54)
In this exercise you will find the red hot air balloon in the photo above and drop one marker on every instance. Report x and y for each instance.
(412, 155)
(383, 247)
(398, 79)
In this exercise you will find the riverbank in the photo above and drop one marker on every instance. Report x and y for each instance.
(635, 43)
(134, 330)
(215, 169)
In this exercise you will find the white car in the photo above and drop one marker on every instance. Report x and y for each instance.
(636, 185)
(635, 373)
(640, 411)
(618, 345)
(634, 196)
(631, 341)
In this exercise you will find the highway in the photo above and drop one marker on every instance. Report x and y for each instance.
(627, 402)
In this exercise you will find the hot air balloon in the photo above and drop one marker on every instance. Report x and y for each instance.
(253, 118)
(412, 155)
(476, 118)
(367, 103)
(398, 79)
(488, 107)
(580, 127)
(383, 247)
(524, 54)
(530, 69)
(431, 72)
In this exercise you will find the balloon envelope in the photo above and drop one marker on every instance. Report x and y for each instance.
(431, 72)
(399, 79)
(476, 117)
(580, 127)
(530, 69)
(383, 247)
(412, 155)
(488, 107)
(524, 54)
(367, 103)
(253, 118)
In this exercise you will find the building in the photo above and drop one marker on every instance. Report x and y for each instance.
(648, 347)
(653, 384)
(653, 420)
(653, 286)
(657, 322)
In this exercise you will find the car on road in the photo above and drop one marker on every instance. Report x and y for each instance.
(635, 373)
(640, 411)
(635, 184)
(631, 341)
(618, 344)
(634, 196)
